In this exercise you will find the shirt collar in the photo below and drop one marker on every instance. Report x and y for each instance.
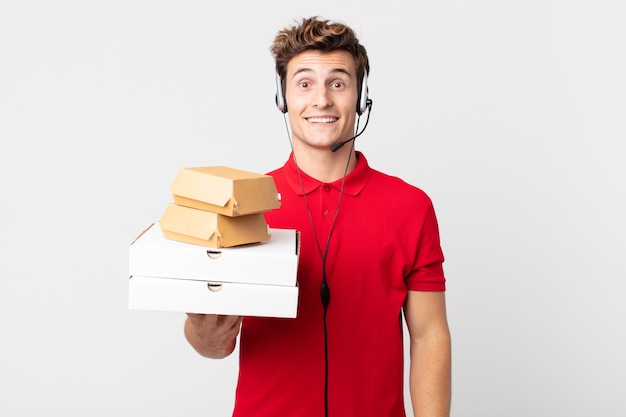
(355, 180)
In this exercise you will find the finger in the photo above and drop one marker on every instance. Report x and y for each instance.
(203, 320)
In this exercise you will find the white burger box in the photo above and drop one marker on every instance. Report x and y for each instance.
(255, 280)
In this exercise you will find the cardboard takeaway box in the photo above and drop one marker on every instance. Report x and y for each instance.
(223, 190)
(191, 296)
(205, 228)
(251, 280)
(274, 262)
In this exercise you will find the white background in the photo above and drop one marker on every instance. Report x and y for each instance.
(509, 114)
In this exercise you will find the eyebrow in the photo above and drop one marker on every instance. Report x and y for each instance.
(333, 71)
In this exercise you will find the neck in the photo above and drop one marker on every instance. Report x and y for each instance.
(324, 165)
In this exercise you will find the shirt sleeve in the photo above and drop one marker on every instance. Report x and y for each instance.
(427, 273)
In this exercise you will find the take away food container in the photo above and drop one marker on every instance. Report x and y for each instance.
(250, 280)
(196, 296)
(274, 262)
(224, 190)
(205, 228)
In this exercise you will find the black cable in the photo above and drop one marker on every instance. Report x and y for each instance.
(324, 288)
(325, 294)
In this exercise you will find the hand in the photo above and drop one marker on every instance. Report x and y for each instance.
(212, 335)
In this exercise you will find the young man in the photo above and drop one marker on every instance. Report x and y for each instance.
(370, 252)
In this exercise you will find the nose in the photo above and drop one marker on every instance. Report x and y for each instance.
(321, 97)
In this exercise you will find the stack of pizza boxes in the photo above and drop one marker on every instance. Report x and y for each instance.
(212, 251)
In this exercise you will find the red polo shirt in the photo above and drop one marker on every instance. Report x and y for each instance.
(385, 241)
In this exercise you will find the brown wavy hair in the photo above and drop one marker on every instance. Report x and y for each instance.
(321, 35)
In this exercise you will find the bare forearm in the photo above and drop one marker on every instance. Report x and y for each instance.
(430, 376)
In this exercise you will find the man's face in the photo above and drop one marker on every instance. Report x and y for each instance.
(321, 94)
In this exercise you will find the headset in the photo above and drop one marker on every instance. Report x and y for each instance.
(362, 103)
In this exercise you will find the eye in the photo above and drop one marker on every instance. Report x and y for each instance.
(304, 84)
(338, 84)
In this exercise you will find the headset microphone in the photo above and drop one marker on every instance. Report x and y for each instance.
(339, 145)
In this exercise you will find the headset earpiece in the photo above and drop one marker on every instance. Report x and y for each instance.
(362, 102)
(280, 96)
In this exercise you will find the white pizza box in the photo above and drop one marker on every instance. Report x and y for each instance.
(274, 262)
(196, 296)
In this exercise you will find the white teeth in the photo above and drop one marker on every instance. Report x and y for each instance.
(321, 119)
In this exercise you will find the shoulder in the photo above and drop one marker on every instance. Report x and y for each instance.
(279, 175)
(393, 186)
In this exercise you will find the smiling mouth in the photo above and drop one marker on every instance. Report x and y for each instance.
(323, 120)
